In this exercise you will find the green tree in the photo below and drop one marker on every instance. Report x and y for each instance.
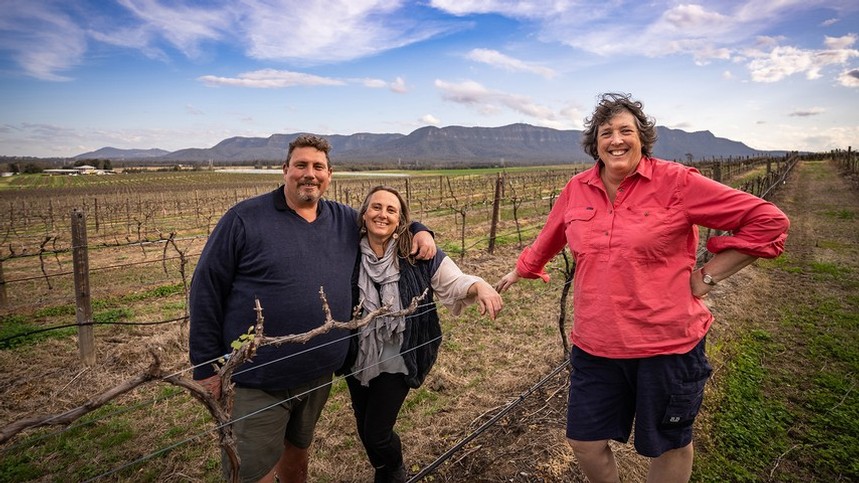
(32, 168)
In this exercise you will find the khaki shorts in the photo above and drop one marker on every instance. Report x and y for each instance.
(265, 419)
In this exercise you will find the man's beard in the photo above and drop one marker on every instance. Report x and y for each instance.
(309, 196)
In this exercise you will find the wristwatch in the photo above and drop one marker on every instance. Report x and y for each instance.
(707, 278)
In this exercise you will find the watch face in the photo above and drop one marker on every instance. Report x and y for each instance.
(708, 279)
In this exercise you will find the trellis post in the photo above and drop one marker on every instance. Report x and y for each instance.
(496, 205)
(83, 302)
(3, 300)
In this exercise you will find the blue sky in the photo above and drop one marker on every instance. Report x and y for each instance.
(79, 75)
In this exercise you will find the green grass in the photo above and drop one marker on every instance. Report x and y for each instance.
(842, 214)
(802, 411)
(105, 440)
(425, 399)
(783, 262)
(105, 311)
(88, 449)
(750, 427)
(785, 405)
(13, 328)
(829, 401)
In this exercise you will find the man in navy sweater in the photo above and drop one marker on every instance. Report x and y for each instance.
(279, 247)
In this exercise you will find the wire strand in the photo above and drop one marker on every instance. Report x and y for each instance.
(253, 413)
(447, 454)
(191, 368)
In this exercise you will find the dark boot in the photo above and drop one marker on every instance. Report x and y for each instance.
(385, 475)
(400, 475)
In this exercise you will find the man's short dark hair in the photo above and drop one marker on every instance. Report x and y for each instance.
(309, 141)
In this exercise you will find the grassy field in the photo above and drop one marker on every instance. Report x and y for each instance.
(782, 405)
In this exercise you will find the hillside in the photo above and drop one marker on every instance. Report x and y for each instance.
(516, 144)
(120, 154)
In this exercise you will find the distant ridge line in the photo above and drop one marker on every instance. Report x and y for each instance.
(514, 144)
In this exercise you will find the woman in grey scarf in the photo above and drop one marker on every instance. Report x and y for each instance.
(395, 354)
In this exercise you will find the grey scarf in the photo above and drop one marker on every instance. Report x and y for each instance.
(373, 337)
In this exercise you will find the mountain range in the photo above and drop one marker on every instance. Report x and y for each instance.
(515, 144)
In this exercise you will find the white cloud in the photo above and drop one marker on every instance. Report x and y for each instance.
(430, 119)
(329, 31)
(574, 116)
(784, 61)
(42, 41)
(489, 102)
(278, 79)
(840, 43)
(805, 137)
(185, 26)
(779, 63)
(45, 39)
(374, 83)
(511, 8)
(270, 79)
(497, 59)
(605, 30)
(398, 85)
(711, 31)
(692, 20)
(137, 38)
(469, 93)
(849, 78)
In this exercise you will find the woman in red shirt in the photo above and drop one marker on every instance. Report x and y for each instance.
(631, 222)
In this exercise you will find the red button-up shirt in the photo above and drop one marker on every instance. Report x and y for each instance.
(634, 257)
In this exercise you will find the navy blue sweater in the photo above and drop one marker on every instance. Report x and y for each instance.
(261, 248)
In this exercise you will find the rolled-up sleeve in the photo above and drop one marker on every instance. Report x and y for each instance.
(758, 227)
(451, 286)
(763, 236)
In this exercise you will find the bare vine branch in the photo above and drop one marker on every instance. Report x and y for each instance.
(569, 272)
(220, 409)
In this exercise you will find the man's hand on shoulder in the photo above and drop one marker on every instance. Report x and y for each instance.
(423, 245)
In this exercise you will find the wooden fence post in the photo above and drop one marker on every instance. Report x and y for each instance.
(408, 192)
(83, 303)
(496, 205)
(96, 214)
(3, 300)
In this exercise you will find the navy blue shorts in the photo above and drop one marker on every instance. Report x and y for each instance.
(662, 394)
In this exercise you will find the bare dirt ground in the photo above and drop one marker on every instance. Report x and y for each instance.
(483, 366)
